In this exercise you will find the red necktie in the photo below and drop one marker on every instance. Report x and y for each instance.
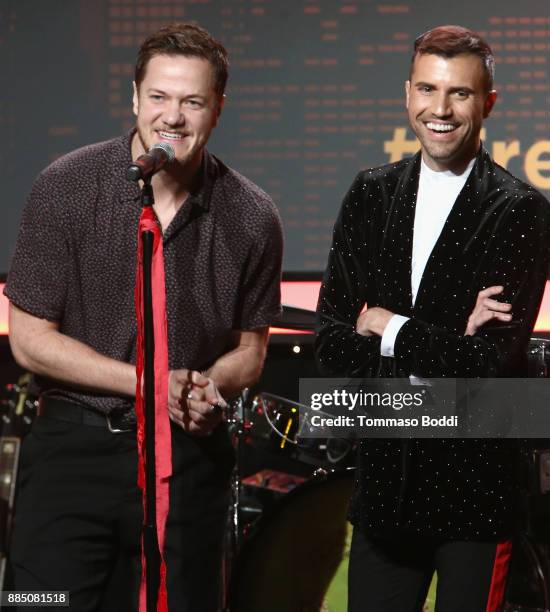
(163, 445)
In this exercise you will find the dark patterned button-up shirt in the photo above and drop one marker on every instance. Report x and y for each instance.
(74, 261)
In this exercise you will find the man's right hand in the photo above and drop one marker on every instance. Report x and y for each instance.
(487, 309)
(194, 402)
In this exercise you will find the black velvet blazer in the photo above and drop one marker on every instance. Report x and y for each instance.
(497, 233)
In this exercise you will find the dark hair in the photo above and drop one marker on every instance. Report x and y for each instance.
(188, 40)
(452, 40)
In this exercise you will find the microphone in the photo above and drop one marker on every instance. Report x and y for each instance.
(147, 164)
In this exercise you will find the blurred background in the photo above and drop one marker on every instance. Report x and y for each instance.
(316, 92)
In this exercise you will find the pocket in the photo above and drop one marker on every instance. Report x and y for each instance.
(45, 438)
(47, 428)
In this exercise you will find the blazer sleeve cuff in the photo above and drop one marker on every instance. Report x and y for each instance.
(387, 344)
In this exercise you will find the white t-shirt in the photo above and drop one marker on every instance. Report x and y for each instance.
(437, 193)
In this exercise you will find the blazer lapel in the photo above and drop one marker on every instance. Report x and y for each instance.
(397, 240)
(452, 247)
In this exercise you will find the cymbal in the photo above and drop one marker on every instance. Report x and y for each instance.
(299, 319)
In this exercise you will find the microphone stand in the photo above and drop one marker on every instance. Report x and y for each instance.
(150, 540)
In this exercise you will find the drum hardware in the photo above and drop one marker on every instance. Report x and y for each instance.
(278, 424)
(337, 449)
(237, 429)
(320, 473)
(538, 356)
(236, 426)
(259, 501)
(297, 319)
(288, 418)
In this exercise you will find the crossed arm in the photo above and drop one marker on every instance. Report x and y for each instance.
(39, 346)
(349, 340)
(373, 321)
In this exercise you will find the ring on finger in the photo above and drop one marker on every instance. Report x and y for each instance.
(190, 395)
(216, 409)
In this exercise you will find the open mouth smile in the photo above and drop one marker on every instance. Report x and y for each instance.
(441, 128)
(170, 135)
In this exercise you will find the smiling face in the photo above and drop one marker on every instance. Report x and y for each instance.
(176, 102)
(447, 101)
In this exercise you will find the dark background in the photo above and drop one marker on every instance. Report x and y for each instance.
(315, 91)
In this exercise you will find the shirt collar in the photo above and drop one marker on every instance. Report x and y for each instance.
(445, 175)
(201, 193)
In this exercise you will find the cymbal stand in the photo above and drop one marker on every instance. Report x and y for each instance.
(233, 537)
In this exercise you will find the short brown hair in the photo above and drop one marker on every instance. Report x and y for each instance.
(450, 41)
(189, 40)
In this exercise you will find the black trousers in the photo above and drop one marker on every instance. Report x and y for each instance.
(79, 515)
(395, 575)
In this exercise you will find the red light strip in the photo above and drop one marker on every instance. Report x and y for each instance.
(3, 312)
(303, 294)
(543, 320)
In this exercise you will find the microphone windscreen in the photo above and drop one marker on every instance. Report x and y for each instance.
(167, 148)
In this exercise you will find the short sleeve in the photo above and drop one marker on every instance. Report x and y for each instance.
(37, 279)
(261, 297)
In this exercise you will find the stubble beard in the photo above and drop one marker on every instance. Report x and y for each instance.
(440, 152)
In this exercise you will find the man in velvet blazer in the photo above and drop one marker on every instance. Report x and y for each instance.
(450, 505)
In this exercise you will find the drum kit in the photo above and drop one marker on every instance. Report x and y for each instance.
(287, 525)
(287, 532)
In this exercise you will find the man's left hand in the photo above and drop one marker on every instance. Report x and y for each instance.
(488, 308)
(200, 406)
(373, 321)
